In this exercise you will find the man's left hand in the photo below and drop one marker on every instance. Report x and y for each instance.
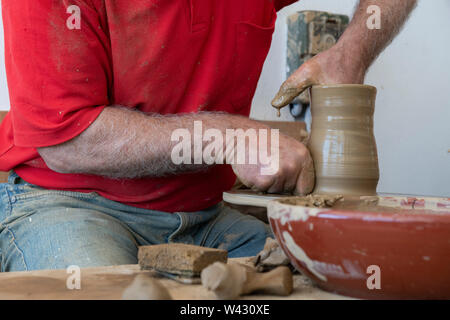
(328, 67)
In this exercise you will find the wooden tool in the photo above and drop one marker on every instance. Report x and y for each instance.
(229, 281)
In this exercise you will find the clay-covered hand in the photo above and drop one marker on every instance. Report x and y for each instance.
(292, 170)
(332, 66)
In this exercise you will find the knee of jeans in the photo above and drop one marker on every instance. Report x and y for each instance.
(258, 229)
(247, 240)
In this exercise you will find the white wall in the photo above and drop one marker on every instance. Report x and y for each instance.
(412, 117)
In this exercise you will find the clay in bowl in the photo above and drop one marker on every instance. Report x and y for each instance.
(344, 243)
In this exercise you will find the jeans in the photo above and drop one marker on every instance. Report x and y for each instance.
(53, 229)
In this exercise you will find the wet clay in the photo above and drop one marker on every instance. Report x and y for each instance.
(355, 203)
(342, 141)
(316, 201)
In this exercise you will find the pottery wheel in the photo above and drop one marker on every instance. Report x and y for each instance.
(247, 197)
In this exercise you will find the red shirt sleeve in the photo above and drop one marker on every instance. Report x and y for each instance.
(58, 77)
(280, 4)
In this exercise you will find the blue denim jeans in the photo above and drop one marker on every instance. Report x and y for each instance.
(53, 229)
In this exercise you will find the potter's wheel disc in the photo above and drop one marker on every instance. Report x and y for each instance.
(249, 198)
(257, 199)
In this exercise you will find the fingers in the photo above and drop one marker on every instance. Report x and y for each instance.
(296, 172)
(265, 184)
(292, 87)
(246, 181)
(301, 181)
(277, 186)
(291, 182)
(250, 176)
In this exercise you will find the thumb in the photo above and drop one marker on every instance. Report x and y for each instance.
(291, 88)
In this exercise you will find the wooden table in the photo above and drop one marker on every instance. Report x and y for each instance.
(109, 282)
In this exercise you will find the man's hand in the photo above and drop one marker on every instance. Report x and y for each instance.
(348, 61)
(124, 143)
(329, 67)
(295, 170)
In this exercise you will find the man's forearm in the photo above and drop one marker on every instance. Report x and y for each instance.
(361, 44)
(124, 143)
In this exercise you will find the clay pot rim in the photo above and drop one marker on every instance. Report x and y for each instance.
(349, 86)
(305, 213)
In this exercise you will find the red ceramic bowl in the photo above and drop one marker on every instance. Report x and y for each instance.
(375, 255)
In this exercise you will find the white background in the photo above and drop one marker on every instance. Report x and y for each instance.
(412, 117)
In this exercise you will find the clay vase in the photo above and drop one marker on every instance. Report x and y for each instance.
(342, 142)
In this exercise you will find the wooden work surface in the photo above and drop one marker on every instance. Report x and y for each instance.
(106, 283)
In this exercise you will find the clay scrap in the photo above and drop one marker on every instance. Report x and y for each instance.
(316, 201)
(179, 259)
(270, 257)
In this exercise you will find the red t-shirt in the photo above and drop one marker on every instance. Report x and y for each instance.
(154, 55)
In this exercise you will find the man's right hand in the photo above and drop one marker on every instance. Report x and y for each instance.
(122, 155)
(295, 170)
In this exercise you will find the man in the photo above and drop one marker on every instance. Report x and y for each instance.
(94, 103)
